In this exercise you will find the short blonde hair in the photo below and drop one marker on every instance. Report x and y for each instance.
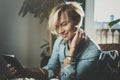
(73, 10)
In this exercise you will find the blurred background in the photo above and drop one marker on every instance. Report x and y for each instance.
(21, 36)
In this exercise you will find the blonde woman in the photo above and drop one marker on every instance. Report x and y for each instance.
(75, 54)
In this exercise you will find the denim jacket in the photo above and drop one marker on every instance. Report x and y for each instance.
(86, 64)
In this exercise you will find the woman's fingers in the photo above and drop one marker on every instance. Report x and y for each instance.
(9, 66)
(82, 35)
(11, 69)
(78, 38)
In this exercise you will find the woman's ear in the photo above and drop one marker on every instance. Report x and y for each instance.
(77, 21)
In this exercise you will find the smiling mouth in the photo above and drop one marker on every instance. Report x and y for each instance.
(64, 35)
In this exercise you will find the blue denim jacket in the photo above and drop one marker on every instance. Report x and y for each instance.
(87, 58)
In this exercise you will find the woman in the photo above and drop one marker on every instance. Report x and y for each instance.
(75, 54)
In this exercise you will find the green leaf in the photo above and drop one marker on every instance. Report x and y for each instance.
(112, 23)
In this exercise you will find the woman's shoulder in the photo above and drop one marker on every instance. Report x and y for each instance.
(93, 43)
(89, 49)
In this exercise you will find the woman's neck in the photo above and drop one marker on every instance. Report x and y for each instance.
(69, 44)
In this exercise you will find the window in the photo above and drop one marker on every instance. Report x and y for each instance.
(104, 12)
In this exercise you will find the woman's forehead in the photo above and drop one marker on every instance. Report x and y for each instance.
(63, 17)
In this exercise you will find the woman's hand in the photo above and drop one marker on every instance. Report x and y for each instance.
(37, 73)
(13, 71)
(78, 38)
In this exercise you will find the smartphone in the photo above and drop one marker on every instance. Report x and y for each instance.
(11, 59)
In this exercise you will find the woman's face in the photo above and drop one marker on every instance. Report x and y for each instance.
(65, 27)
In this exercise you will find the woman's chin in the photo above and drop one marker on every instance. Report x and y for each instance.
(66, 38)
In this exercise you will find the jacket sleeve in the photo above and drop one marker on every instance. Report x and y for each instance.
(53, 65)
(68, 72)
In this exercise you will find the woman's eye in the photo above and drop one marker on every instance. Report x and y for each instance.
(64, 24)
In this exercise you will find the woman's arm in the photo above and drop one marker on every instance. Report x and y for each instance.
(69, 65)
(53, 65)
(36, 73)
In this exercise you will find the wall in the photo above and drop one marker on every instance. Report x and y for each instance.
(21, 36)
(89, 18)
